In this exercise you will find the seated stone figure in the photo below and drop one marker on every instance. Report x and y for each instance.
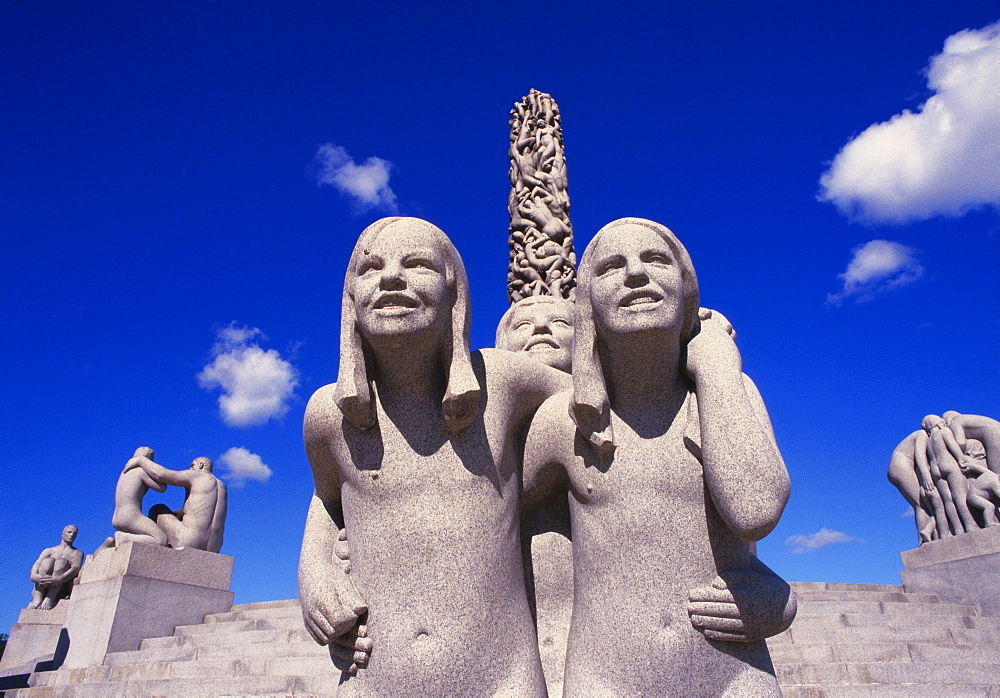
(54, 571)
(414, 456)
(200, 522)
(673, 473)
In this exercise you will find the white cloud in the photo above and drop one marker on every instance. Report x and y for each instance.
(255, 383)
(367, 184)
(876, 267)
(817, 541)
(240, 465)
(943, 159)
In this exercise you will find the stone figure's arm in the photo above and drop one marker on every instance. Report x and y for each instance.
(744, 604)
(180, 478)
(547, 449)
(331, 605)
(920, 461)
(743, 469)
(36, 576)
(528, 382)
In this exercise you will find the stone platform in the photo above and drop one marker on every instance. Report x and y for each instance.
(963, 569)
(847, 640)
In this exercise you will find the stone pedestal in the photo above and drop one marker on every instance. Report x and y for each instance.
(35, 639)
(960, 569)
(133, 592)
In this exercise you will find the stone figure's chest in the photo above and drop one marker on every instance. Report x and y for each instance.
(662, 469)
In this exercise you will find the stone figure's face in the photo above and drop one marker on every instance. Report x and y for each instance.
(636, 282)
(401, 284)
(69, 534)
(544, 329)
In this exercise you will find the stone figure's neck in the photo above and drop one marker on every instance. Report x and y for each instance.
(642, 371)
(407, 372)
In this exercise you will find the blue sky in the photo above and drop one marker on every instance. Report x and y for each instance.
(175, 230)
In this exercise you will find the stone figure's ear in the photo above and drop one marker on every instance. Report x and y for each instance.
(461, 400)
(503, 328)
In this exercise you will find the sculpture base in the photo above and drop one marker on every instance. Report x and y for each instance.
(960, 569)
(34, 642)
(133, 592)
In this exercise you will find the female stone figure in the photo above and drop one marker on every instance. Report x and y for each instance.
(414, 456)
(673, 473)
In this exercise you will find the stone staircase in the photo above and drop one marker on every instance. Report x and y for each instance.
(847, 640)
(877, 640)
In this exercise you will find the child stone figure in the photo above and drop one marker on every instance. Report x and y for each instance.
(413, 454)
(673, 473)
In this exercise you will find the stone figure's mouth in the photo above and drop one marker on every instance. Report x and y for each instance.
(641, 299)
(541, 344)
(395, 301)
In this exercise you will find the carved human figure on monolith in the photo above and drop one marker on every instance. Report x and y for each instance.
(54, 571)
(673, 472)
(413, 455)
(200, 523)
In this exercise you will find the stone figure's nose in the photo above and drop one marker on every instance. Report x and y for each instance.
(392, 277)
(635, 272)
(542, 328)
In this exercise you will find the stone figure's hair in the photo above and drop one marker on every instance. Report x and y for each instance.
(503, 328)
(928, 422)
(144, 451)
(354, 388)
(590, 407)
(204, 460)
(974, 448)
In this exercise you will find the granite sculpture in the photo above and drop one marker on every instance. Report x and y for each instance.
(542, 260)
(541, 326)
(199, 523)
(55, 570)
(662, 427)
(414, 457)
(947, 471)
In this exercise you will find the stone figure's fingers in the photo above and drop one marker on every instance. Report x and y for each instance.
(348, 656)
(351, 641)
(712, 593)
(716, 610)
(351, 599)
(319, 635)
(725, 636)
(722, 625)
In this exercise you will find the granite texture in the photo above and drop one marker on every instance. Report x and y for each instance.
(137, 591)
(949, 472)
(960, 569)
(414, 455)
(33, 639)
(54, 571)
(673, 473)
(541, 326)
(200, 523)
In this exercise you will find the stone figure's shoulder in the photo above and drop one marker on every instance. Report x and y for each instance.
(322, 408)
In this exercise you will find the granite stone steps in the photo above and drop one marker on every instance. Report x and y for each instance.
(848, 640)
(878, 640)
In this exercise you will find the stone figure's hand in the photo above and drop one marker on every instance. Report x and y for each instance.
(331, 606)
(352, 649)
(713, 345)
(755, 605)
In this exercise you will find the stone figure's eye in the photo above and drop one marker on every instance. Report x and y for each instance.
(560, 321)
(419, 263)
(369, 265)
(654, 257)
(610, 265)
(522, 324)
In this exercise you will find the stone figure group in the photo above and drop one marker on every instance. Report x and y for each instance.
(949, 472)
(628, 404)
